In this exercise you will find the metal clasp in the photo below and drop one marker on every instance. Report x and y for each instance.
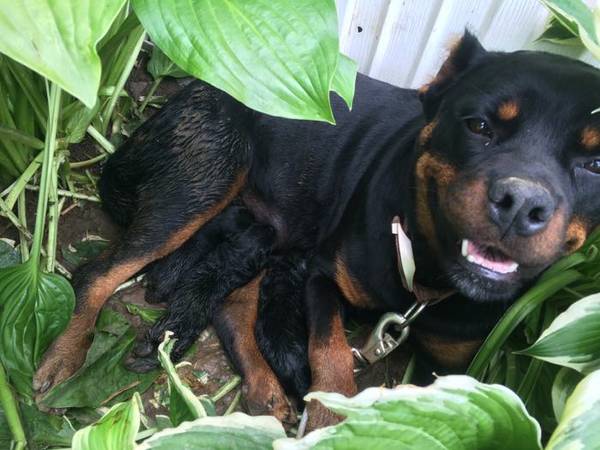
(380, 342)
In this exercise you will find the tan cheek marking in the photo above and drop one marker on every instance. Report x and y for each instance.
(548, 243)
(350, 287)
(508, 110)
(576, 234)
(590, 138)
(430, 168)
(426, 133)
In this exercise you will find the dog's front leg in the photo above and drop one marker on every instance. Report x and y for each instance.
(330, 356)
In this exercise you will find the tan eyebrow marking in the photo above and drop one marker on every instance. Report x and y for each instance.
(508, 110)
(590, 137)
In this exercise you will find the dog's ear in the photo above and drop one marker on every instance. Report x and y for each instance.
(464, 54)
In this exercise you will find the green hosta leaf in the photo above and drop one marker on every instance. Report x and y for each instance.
(35, 307)
(103, 378)
(578, 427)
(235, 431)
(147, 314)
(456, 412)
(57, 38)
(570, 12)
(78, 122)
(184, 404)
(9, 255)
(573, 338)
(561, 32)
(278, 57)
(84, 251)
(344, 80)
(5, 434)
(564, 384)
(161, 66)
(45, 430)
(116, 430)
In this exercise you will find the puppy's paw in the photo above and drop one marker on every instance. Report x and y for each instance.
(143, 357)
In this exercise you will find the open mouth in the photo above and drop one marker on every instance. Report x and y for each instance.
(488, 257)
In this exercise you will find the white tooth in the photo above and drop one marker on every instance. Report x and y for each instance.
(471, 258)
(513, 268)
(464, 247)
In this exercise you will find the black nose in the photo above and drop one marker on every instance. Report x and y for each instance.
(520, 205)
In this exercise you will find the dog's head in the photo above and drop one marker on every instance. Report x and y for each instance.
(507, 172)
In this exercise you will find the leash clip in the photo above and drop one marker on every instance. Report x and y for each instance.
(380, 342)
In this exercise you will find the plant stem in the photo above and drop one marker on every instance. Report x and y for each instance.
(100, 139)
(69, 194)
(6, 212)
(121, 82)
(20, 137)
(145, 434)
(11, 411)
(226, 388)
(47, 167)
(53, 216)
(22, 214)
(88, 162)
(19, 185)
(150, 93)
(515, 315)
(234, 403)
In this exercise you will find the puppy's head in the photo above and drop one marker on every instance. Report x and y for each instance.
(507, 173)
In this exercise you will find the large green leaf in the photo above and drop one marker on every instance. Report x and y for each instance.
(278, 57)
(45, 430)
(184, 405)
(5, 434)
(9, 255)
(103, 378)
(456, 412)
(161, 66)
(573, 338)
(35, 307)
(57, 38)
(235, 431)
(578, 427)
(564, 384)
(575, 14)
(116, 430)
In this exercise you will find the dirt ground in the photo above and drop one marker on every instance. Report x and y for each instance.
(209, 367)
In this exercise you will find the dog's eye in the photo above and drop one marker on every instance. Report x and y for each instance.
(479, 126)
(593, 166)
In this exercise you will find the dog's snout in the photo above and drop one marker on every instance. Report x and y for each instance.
(519, 205)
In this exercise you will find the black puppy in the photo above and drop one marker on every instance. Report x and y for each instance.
(494, 168)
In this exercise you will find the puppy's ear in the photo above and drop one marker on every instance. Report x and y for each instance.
(464, 54)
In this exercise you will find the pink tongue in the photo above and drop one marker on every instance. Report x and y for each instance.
(497, 266)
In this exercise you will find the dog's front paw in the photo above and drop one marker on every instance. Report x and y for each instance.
(319, 416)
(61, 361)
(265, 396)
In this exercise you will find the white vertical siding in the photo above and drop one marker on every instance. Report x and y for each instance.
(404, 42)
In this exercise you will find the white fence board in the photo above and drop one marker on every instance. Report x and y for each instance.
(404, 42)
(403, 37)
(450, 23)
(361, 29)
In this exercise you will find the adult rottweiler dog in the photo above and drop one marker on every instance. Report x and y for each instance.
(494, 168)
